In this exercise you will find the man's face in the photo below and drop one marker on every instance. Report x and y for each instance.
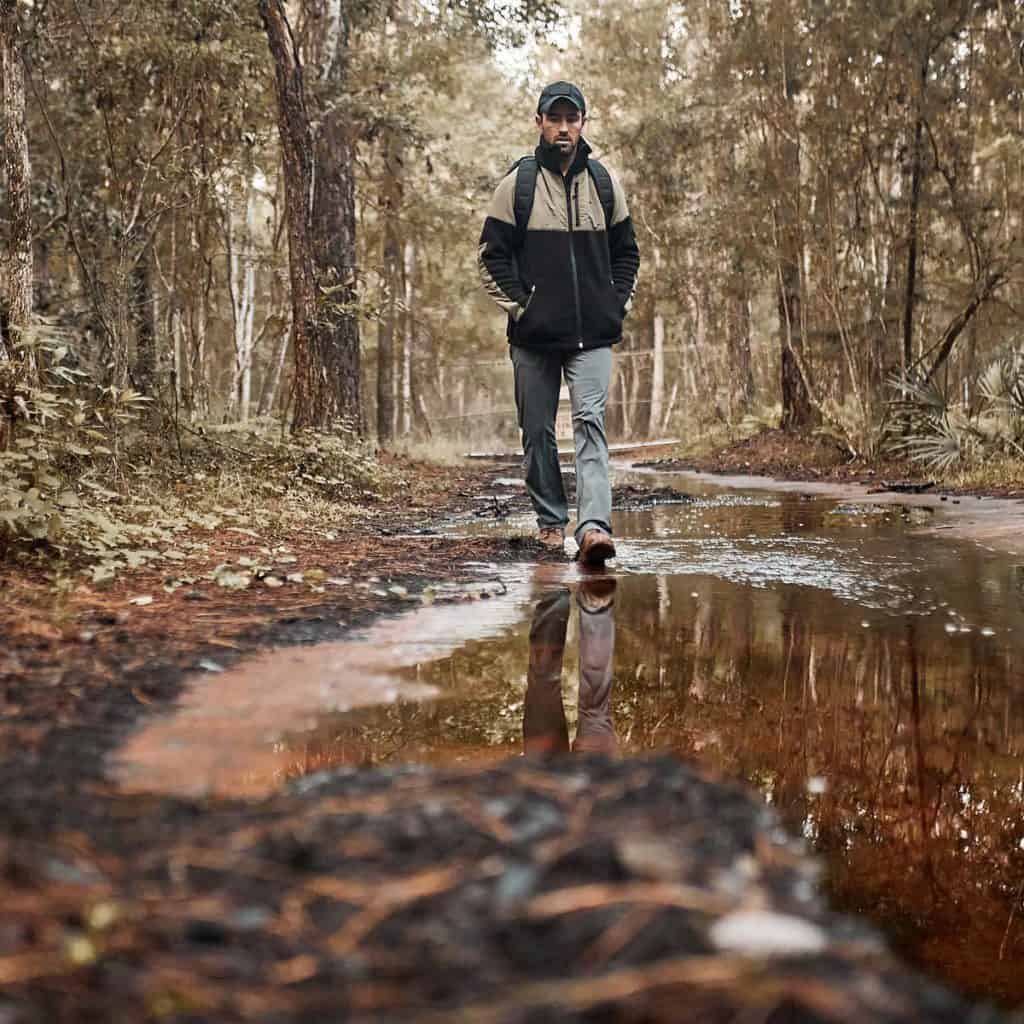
(561, 126)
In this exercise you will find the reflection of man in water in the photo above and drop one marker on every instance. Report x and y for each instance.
(545, 730)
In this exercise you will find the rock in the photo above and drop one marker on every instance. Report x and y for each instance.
(761, 933)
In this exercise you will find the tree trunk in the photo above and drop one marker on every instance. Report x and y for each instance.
(242, 293)
(658, 360)
(657, 376)
(408, 335)
(195, 388)
(391, 259)
(16, 280)
(983, 291)
(321, 240)
(741, 374)
(422, 379)
(917, 159)
(334, 230)
(272, 378)
(143, 314)
(797, 411)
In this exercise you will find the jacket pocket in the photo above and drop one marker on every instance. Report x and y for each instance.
(526, 305)
(544, 318)
(605, 315)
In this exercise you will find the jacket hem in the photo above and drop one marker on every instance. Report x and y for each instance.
(565, 346)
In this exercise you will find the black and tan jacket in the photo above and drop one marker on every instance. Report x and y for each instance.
(571, 283)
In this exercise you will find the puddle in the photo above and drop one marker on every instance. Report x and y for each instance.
(230, 733)
(865, 677)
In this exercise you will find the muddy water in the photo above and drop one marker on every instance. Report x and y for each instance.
(864, 676)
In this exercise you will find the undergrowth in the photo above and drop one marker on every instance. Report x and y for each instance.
(95, 480)
(952, 437)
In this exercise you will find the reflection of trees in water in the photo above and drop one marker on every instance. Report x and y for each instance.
(918, 738)
(918, 742)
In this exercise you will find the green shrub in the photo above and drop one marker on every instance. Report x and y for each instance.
(945, 435)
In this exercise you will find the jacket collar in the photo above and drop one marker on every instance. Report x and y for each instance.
(548, 156)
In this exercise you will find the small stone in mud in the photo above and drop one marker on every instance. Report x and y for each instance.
(762, 933)
(632, 498)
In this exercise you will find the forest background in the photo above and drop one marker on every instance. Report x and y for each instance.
(228, 223)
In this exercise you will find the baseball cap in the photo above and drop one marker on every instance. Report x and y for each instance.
(560, 91)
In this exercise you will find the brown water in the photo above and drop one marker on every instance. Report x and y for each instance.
(863, 676)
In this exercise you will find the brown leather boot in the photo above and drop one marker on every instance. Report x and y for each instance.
(595, 547)
(552, 537)
(596, 593)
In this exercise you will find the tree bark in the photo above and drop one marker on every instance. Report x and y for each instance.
(741, 374)
(334, 230)
(797, 411)
(241, 280)
(195, 385)
(272, 377)
(143, 314)
(320, 211)
(16, 282)
(658, 358)
(391, 259)
(657, 376)
(917, 159)
(408, 334)
(16, 297)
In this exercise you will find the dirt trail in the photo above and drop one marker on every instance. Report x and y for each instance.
(568, 890)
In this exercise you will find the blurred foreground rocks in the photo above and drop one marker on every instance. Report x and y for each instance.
(577, 889)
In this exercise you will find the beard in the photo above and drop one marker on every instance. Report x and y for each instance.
(560, 149)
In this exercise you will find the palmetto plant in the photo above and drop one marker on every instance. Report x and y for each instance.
(942, 434)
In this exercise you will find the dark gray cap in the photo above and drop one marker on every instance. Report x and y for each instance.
(561, 91)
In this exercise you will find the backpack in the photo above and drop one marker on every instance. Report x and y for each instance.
(526, 183)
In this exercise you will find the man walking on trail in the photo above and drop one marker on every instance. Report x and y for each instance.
(558, 255)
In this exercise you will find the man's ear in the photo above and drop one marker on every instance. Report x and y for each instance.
(539, 120)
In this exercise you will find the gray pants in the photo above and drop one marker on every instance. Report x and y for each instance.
(538, 377)
(545, 731)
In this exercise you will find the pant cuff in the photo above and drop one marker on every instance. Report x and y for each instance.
(590, 524)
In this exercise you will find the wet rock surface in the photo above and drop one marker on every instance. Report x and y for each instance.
(576, 889)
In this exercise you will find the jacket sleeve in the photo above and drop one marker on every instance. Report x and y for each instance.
(496, 257)
(625, 253)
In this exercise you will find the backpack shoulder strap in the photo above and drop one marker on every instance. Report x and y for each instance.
(526, 185)
(605, 190)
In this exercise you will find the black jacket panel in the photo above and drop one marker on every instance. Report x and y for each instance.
(571, 282)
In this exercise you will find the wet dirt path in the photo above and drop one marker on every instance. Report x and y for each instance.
(862, 673)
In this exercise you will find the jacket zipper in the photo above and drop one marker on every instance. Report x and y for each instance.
(572, 260)
(576, 197)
